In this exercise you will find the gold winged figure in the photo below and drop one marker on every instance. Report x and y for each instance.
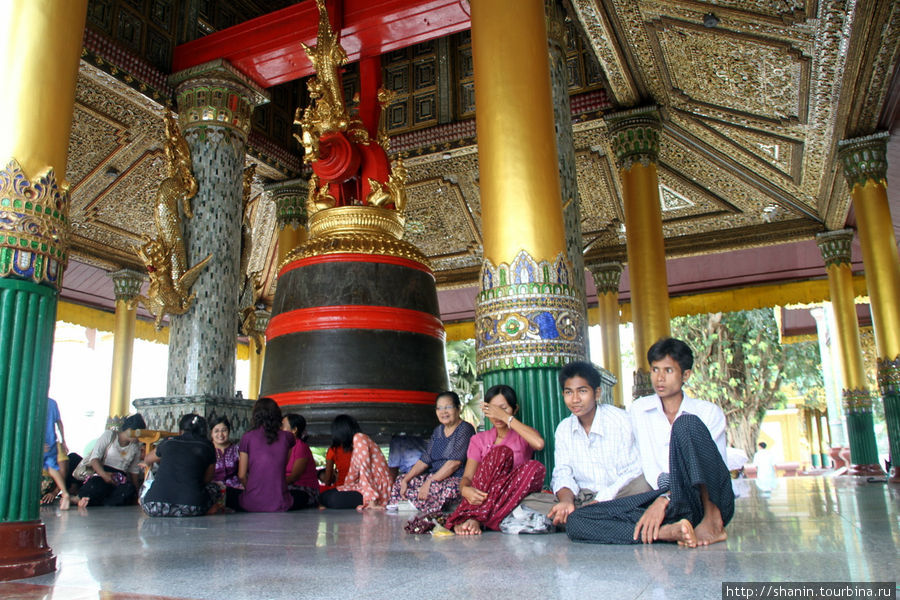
(165, 256)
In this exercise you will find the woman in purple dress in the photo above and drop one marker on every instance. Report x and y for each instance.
(264, 452)
(226, 474)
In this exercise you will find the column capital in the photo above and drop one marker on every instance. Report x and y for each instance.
(835, 246)
(127, 283)
(607, 276)
(35, 241)
(634, 135)
(290, 201)
(864, 158)
(216, 94)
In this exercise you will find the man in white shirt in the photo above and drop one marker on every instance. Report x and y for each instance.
(595, 458)
(693, 499)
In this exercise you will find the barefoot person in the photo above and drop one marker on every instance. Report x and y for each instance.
(595, 457)
(110, 472)
(434, 478)
(52, 452)
(499, 471)
(693, 499)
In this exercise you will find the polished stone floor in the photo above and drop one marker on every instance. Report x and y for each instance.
(808, 529)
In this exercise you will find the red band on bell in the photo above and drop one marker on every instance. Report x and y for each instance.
(362, 395)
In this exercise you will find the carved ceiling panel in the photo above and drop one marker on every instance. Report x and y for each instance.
(744, 74)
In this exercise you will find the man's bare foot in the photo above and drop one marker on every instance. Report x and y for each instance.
(83, 502)
(468, 527)
(681, 531)
(64, 502)
(711, 529)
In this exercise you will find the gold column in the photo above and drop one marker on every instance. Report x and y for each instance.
(606, 280)
(127, 286)
(257, 337)
(290, 203)
(857, 398)
(520, 197)
(865, 167)
(40, 42)
(634, 137)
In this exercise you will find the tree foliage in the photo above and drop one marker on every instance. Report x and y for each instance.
(740, 364)
(461, 368)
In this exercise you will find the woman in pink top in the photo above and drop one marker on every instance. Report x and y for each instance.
(300, 475)
(499, 470)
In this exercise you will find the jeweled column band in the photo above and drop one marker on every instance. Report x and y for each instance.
(857, 399)
(527, 315)
(34, 226)
(865, 167)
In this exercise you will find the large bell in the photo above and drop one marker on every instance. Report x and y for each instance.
(356, 328)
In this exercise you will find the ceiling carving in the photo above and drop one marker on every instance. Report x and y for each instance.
(752, 110)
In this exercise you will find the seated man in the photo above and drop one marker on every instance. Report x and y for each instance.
(595, 457)
(693, 500)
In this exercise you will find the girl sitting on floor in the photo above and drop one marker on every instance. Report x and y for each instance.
(264, 452)
(499, 470)
(110, 472)
(303, 485)
(183, 484)
(362, 479)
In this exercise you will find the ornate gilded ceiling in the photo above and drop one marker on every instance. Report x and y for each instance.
(752, 111)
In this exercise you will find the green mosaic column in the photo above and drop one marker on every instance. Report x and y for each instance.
(865, 167)
(215, 103)
(857, 400)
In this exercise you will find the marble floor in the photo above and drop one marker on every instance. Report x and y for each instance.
(808, 529)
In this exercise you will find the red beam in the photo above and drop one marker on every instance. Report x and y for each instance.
(267, 49)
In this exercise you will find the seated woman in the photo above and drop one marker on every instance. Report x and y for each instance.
(109, 474)
(434, 479)
(300, 475)
(183, 484)
(227, 458)
(364, 482)
(264, 452)
(499, 470)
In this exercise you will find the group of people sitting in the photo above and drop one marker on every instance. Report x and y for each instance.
(654, 473)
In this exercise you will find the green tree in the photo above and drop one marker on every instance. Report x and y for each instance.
(463, 381)
(740, 364)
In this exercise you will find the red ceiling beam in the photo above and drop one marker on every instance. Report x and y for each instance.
(267, 49)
